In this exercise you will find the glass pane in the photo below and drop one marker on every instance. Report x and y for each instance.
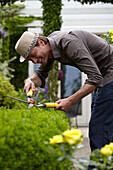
(36, 66)
(71, 82)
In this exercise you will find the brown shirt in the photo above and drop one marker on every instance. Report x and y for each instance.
(86, 51)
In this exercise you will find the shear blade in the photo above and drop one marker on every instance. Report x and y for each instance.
(30, 105)
(39, 105)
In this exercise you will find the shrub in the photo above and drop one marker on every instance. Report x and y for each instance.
(24, 139)
(7, 89)
(108, 37)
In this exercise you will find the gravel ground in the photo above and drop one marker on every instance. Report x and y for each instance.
(84, 151)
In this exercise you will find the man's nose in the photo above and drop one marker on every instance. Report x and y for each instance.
(34, 60)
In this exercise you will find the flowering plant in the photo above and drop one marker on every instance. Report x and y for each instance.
(69, 140)
(101, 159)
(41, 95)
(2, 34)
(108, 37)
(60, 75)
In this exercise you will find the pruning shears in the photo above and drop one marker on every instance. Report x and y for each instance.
(31, 102)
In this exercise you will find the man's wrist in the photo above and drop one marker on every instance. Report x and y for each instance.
(27, 80)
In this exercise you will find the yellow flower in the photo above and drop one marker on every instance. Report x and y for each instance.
(56, 139)
(111, 31)
(72, 132)
(111, 146)
(106, 150)
(72, 136)
(112, 37)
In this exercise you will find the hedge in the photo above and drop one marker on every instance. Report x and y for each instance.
(24, 139)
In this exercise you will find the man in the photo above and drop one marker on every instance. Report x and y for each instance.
(90, 54)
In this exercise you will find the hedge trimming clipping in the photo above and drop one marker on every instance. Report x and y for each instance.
(24, 139)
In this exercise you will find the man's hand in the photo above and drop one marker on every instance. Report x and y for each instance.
(29, 85)
(64, 104)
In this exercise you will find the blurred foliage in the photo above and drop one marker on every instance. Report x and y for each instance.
(9, 2)
(6, 70)
(14, 27)
(41, 95)
(51, 16)
(6, 88)
(93, 1)
(6, 12)
(52, 21)
(108, 37)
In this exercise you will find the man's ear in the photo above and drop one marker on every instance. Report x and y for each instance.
(40, 42)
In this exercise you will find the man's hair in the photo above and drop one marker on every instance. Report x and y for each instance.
(43, 38)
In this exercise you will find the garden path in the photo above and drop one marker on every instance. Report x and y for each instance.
(85, 150)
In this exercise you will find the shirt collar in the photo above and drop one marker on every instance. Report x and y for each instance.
(55, 51)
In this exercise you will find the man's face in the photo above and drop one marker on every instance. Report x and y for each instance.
(40, 54)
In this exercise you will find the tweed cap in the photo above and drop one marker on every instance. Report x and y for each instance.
(25, 44)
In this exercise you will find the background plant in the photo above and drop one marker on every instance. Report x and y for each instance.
(7, 12)
(52, 21)
(41, 95)
(68, 141)
(8, 2)
(93, 1)
(108, 37)
(100, 159)
(15, 32)
(14, 25)
(6, 88)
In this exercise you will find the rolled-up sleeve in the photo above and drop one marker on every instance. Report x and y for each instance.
(84, 61)
(42, 71)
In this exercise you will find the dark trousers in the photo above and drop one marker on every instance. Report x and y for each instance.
(101, 122)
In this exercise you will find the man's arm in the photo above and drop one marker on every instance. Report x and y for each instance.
(65, 104)
(32, 82)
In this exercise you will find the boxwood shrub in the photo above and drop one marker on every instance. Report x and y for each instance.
(24, 139)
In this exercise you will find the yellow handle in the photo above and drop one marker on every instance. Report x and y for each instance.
(50, 105)
(30, 93)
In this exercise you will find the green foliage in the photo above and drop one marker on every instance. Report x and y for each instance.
(7, 89)
(53, 82)
(93, 1)
(97, 161)
(9, 2)
(5, 69)
(52, 22)
(51, 16)
(15, 28)
(108, 37)
(24, 139)
(7, 12)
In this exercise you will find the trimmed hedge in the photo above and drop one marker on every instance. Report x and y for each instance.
(24, 139)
